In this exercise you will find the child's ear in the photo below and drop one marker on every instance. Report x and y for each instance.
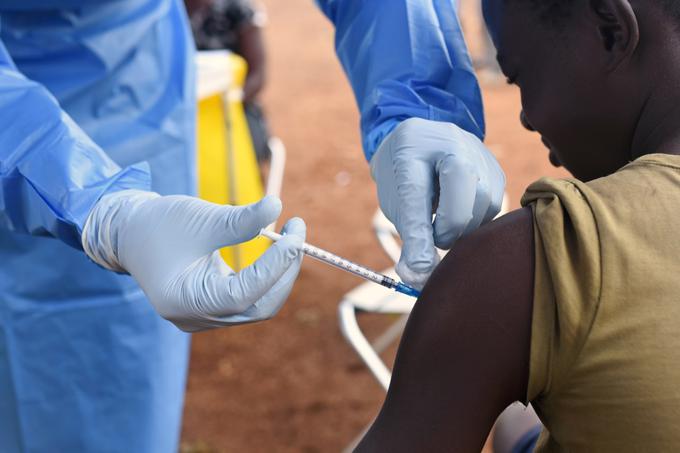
(618, 29)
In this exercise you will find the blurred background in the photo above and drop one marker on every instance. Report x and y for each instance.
(293, 384)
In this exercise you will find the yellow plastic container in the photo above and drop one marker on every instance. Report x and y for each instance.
(227, 167)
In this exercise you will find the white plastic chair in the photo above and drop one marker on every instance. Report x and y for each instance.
(371, 298)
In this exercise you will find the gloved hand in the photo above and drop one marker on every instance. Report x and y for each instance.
(169, 245)
(425, 165)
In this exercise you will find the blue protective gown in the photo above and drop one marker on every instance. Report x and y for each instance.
(405, 59)
(85, 362)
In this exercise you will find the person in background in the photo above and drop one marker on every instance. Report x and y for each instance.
(236, 25)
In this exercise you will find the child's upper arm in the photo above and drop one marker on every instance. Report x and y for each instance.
(465, 352)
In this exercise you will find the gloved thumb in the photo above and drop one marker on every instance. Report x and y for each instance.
(416, 263)
(235, 224)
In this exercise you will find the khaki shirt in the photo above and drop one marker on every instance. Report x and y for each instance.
(605, 347)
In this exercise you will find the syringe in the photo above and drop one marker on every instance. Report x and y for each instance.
(348, 266)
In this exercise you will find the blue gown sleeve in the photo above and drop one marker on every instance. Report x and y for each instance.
(405, 59)
(51, 172)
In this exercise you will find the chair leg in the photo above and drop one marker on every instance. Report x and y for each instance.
(350, 329)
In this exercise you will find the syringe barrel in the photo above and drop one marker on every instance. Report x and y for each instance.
(341, 263)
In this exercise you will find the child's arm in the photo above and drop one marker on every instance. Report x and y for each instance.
(464, 355)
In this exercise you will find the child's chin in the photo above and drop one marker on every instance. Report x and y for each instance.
(554, 159)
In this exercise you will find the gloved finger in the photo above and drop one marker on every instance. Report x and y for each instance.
(480, 207)
(415, 187)
(236, 293)
(231, 225)
(416, 279)
(458, 181)
(269, 305)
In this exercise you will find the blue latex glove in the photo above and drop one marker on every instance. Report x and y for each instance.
(170, 246)
(422, 163)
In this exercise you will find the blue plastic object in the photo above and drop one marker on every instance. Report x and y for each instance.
(405, 59)
(85, 362)
(405, 289)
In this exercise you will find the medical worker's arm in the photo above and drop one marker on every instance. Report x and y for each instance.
(55, 181)
(421, 120)
(51, 173)
(464, 355)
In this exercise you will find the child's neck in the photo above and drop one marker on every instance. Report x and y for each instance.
(658, 131)
(658, 126)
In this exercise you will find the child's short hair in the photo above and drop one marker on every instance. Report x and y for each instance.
(555, 11)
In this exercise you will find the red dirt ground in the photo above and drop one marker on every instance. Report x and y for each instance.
(292, 384)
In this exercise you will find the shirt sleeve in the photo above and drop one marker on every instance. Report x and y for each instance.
(51, 172)
(405, 60)
(567, 280)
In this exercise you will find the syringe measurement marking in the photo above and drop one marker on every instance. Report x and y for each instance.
(343, 263)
